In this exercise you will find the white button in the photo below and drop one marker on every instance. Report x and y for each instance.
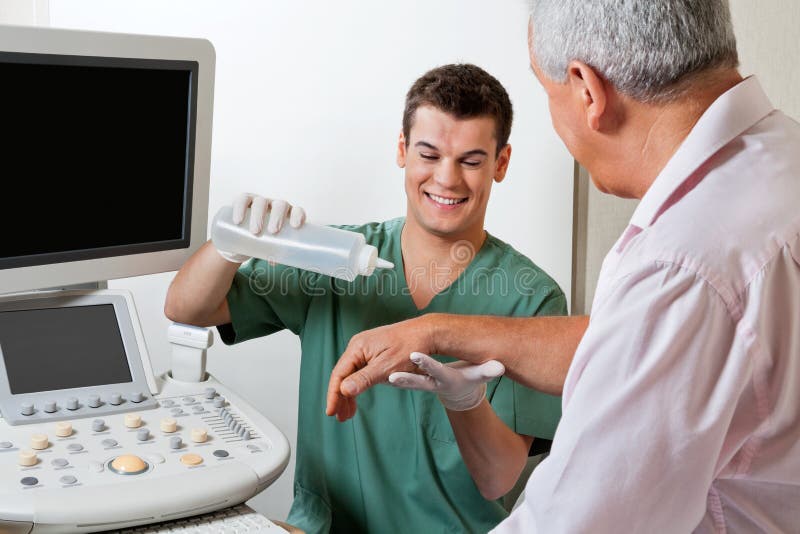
(133, 420)
(63, 429)
(39, 442)
(155, 458)
(168, 424)
(27, 458)
(97, 467)
(199, 435)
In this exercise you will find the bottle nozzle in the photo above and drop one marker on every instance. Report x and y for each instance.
(380, 263)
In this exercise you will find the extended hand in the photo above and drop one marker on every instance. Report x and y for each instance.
(461, 386)
(371, 357)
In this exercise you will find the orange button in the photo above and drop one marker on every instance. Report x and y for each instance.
(128, 464)
(191, 459)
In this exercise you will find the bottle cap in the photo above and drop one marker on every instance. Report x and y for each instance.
(368, 260)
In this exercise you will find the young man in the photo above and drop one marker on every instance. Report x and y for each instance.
(405, 461)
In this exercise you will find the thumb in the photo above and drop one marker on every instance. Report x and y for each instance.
(485, 371)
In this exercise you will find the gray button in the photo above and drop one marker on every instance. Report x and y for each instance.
(198, 409)
(26, 408)
(50, 406)
(29, 481)
(95, 466)
(137, 397)
(59, 462)
(74, 447)
(219, 402)
(5, 444)
(168, 403)
(116, 399)
(236, 427)
(245, 434)
(143, 434)
(72, 403)
(176, 411)
(68, 479)
(109, 442)
(253, 447)
(98, 425)
(94, 401)
(220, 453)
(188, 400)
(210, 393)
(175, 442)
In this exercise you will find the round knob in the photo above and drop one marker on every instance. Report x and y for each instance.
(72, 403)
(115, 399)
(168, 424)
(50, 406)
(210, 393)
(63, 429)
(175, 442)
(27, 458)
(98, 425)
(133, 420)
(94, 401)
(26, 408)
(199, 435)
(143, 434)
(137, 397)
(191, 459)
(219, 402)
(39, 442)
(128, 464)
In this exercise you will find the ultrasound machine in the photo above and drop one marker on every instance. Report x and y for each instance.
(105, 142)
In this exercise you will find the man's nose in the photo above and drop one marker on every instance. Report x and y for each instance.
(448, 175)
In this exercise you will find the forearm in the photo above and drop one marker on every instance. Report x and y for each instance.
(197, 294)
(494, 454)
(536, 351)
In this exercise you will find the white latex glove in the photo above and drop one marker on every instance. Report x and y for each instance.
(278, 212)
(461, 386)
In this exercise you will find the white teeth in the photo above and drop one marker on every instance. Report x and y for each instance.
(448, 201)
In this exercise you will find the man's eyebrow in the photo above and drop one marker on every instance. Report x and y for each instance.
(473, 152)
(425, 144)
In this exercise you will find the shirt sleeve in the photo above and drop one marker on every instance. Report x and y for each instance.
(648, 401)
(265, 298)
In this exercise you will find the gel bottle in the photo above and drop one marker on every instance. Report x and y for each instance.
(321, 249)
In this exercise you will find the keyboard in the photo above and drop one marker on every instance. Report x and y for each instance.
(236, 520)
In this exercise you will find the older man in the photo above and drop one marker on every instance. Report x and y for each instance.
(681, 405)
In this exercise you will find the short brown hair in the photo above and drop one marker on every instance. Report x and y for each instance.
(464, 91)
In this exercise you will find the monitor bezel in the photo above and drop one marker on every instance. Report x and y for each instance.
(79, 267)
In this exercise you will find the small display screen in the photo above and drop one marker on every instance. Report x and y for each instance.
(61, 348)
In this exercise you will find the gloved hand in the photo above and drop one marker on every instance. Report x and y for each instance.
(278, 210)
(461, 386)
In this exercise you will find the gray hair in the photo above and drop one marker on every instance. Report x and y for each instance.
(648, 49)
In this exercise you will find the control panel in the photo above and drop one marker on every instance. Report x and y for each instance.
(176, 450)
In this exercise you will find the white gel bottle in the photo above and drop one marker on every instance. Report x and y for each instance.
(321, 249)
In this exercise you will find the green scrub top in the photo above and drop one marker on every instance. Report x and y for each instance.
(394, 467)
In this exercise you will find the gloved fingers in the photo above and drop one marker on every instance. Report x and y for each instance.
(258, 212)
(432, 367)
(484, 372)
(297, 217)
(240, 205)
(413, 381)
(277, 215)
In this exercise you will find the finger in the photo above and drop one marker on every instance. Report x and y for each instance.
(240, 205)
(297, 217)
(258, 211)
(485, 371)
(412, 381)
(348, 364)
(360, 381)
(429, 365)
(277, 214)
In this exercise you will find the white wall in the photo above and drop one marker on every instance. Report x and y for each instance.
(308, 106)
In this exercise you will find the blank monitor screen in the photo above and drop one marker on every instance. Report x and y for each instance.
(97, 156)
(61, 348)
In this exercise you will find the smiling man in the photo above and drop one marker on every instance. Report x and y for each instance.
(406, 461)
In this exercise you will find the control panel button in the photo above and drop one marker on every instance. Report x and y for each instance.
(39, 442)
(29, 481)
(143, 434)
(221, 453)
(175, 443)
(210, 393)
(198, 409)
(97, 467)
(188, 400)
(169, 425)
(167, 403)
(72, 403)
(6, 444)
(191, 459)
(199, 435)
(137, 397)
(27, 458)
(74, 447)
(219, 402)
(128, 464)
(115, 399)
(63, 429)
(50, 406)
(94, 401)
(177, 411)
(98, 425)
(245, 434)
(109, 443)
(68, 479)
(26, 408)
(59, 462)
(133, 420)
(155, 458)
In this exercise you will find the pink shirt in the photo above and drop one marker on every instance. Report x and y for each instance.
(681, 408)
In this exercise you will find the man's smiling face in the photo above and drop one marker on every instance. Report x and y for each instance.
(450, 165)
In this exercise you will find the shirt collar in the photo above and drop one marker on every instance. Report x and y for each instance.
(731, 114)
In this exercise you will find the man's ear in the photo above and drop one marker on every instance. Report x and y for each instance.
(503, 158)
(401, 151)
(589, 90)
